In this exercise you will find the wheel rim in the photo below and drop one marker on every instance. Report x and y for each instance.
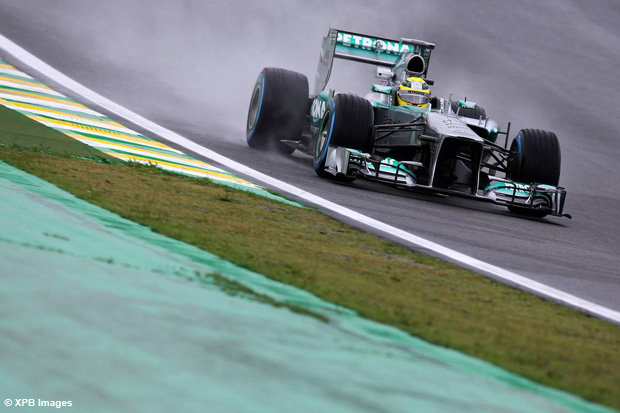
(254, 107)
(514, 170)
(323, 134)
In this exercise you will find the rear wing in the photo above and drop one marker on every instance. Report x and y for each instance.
(365, 49)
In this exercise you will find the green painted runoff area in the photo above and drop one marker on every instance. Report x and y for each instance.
(112, 316)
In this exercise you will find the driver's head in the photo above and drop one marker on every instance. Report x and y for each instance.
(413, 92)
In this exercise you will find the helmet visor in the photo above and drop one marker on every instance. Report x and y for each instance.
(413, 97)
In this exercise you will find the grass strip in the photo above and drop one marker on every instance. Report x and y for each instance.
(433, 300)
(16, 128)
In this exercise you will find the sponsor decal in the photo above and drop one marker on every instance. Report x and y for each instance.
(391, 161)
(369, 43)
(318, 109)
(455, 125)
(356, 160)
(509, 186)
(521, 186)
(405, 92)
(510, 189)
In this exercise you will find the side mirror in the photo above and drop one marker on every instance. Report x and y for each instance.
(429, 82)
(466, 104)
(382, 89)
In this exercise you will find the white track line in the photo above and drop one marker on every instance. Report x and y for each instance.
(473, 263)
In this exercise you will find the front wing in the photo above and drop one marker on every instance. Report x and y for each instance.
(352, 163)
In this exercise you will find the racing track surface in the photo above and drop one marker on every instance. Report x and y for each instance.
(191, 68)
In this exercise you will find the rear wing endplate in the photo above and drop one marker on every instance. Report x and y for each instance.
(364, 49)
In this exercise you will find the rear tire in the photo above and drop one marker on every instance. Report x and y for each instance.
(347, 122)
(277, 109)
(538, 161)
(474, 113)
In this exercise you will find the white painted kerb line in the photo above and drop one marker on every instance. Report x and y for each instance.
(500, 273)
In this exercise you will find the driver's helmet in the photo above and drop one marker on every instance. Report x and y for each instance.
(414, 92)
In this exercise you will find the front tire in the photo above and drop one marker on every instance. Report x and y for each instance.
(277, 109)
(538, 160)
(540, 157)
(347, 122)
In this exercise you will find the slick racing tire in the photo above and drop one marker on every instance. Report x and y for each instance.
(538, 160)
(277, 109)
(347, 122)
(474, 113)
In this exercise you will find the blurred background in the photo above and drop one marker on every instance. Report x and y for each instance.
(539, 64)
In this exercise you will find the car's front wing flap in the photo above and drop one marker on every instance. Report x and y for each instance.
(529, 196)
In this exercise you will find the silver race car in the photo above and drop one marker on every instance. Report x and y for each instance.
(401, 134)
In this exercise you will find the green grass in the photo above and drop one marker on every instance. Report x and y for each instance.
(433, 300)
(18, 129)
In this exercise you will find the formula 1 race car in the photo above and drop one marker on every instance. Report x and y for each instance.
(399, 133)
